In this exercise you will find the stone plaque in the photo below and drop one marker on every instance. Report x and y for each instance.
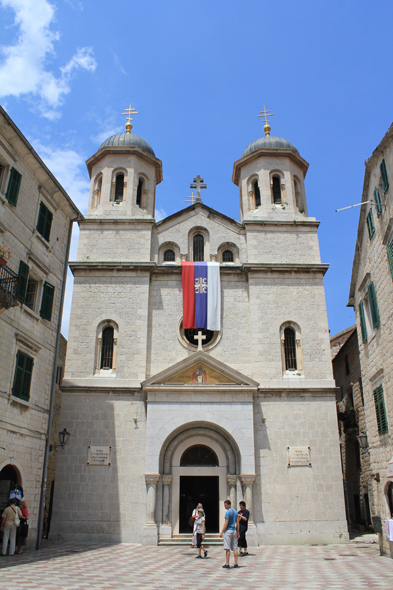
(99, 456)
(299, 456)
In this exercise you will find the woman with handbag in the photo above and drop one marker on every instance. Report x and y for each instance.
(23, 528)
(10, 520)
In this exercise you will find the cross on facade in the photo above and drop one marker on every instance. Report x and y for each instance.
(190, 199)
(200, 337)
(197, 184)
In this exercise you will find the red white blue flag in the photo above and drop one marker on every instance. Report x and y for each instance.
(201, 295)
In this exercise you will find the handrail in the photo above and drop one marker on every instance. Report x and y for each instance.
(9, 280)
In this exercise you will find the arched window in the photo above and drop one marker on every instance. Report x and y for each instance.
(107, 348)
(169, 256)
(290, 349)
(257, 193)
(227, 256)
(119, 187)
(276, 190)
(198, 244)
(139, 192)
(199, 455)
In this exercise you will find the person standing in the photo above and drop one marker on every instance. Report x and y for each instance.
(230, 532)
(21, 534)
(193, 517)
(200, 533)
(244, 515)
(8, 526)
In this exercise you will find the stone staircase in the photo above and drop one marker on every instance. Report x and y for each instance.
(185, 540)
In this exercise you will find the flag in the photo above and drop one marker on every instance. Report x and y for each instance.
(201, 295)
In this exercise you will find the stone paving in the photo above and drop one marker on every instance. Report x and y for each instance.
(127, 566)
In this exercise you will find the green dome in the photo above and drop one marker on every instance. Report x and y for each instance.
(269, 143)
(129, 140)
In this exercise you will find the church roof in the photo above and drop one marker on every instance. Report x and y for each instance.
(127, 139)
(270, 142)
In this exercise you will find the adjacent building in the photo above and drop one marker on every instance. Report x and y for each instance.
(36, 217)
(371, 295)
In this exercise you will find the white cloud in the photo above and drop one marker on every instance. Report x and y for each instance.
(160, 214)
(23, 70)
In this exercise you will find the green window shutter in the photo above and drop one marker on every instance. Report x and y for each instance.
(390, 255)
(23, 375)
(44, 222)
(47, 301)
(370, 224)
(13, 186)
(384, 176)
(380, 410)
(373, 305)
(377, 201)
(362, 321)
(22, 283)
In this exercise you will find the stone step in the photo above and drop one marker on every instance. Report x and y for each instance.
(185, 540)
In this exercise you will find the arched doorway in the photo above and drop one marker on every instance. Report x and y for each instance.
(9, 477)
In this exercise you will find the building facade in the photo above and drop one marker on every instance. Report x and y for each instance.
(35, 221)
(371, 293)
(163, 417)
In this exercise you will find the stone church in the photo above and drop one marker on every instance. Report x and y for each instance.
(162, 417)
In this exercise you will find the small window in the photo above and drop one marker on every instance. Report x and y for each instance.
(119, 187)
(169, 256)
(276, 190)
(346, 361)
(13, 186)
(290, 349)
(31, 293)
(257, 194)
(48, 293)
(370, 224)
(139, 192)
(227, 256)
(384, 176)
(107, 348)
(362, 321)
(198, 243)
(23, 281)
(380, 410)
(377, 201)
(23, 375)
(44, 223)
(373, 305)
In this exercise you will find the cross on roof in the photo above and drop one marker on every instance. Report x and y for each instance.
(265, 114)
(128, 112)
(200, 337)
(197, 184)
(190, 199)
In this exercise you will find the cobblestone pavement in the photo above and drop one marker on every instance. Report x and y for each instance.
(126, 566)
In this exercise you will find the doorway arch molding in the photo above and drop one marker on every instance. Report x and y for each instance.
(219, 438)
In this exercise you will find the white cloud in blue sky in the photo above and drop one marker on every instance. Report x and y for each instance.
(24, 65)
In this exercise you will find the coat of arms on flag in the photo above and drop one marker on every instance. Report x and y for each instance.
(201, 295)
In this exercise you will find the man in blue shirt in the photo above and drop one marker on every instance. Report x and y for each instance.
(230, 532)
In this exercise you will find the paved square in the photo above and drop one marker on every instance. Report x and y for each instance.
(124, 566)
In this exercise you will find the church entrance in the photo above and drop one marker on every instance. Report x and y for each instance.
(194, 489)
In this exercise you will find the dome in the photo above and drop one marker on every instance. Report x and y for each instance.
(272, 143)
(128, 139)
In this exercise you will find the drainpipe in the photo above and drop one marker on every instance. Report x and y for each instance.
(53, 391)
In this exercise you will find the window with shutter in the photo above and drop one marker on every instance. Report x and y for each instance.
(373, 305)
(390, 255)
(384, 176)
(23, 375)
(44, 222)
(362, 321)
(370, 224)
(47, 301)
(380, 410)
(13, 186)
(23, 280)
(377, 201)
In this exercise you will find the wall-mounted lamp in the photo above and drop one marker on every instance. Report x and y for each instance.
(363, 442)
(64, 435)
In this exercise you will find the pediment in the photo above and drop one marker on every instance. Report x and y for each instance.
(202, 371)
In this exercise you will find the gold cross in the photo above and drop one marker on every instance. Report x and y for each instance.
(128, 112)
(200, 285)
(190, 199)
(265, 114)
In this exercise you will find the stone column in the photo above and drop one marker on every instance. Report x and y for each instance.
(114, 358)
(232, 480)
(151, 483)
(98, 355)
(248, 481)
(166, 484)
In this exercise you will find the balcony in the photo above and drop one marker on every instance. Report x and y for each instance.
(8, 287)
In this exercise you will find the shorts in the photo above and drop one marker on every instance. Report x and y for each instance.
(199, 539)
(230, 540)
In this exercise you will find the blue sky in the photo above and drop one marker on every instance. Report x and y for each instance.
(199, 73)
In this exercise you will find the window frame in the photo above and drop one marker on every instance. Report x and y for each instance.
(384, 176)
(377, 201)
(47, 300)
(25, 374)
(370, 224)
(13, 187)
(380, 410)
(44, 221)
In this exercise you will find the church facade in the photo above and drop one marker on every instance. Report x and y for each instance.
(162, 417)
